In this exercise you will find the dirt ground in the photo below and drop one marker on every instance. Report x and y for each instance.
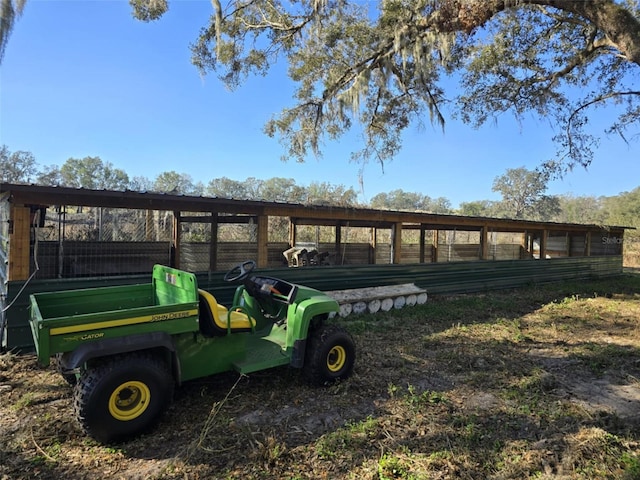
(542, 382)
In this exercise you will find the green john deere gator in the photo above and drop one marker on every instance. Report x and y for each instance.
(125, 348)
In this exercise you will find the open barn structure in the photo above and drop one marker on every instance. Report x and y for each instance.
(54, 238)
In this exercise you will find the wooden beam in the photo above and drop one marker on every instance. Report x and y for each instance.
(320, 214)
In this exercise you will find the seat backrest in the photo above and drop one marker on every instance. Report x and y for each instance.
(214, 317)
(208, 324)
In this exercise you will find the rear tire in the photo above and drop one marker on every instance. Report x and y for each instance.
(123, 396)
(70, 378)
(330, 355)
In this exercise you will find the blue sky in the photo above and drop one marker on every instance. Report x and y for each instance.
(83, 78)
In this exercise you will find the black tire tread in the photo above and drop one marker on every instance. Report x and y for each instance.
(91, 378)
(320, 340)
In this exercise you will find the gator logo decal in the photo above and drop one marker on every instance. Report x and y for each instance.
(86, 336)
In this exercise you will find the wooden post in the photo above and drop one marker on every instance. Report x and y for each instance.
(338, 242)
(422, 239)
(587, 245)
(396, 243)
(434, 252)
(543, 244)
(484, 242)
(263, 240)
(148, 225)
(176, 239)
(213, 243)
(373, 241)
(292, 233)
(19, 243)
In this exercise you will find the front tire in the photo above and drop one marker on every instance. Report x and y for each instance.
(330, 355)
(123, 396)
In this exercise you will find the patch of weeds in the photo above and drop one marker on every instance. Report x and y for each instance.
(528, 392)
(417, 401)
(357, 326)
(595, 453)
(347, 439)
(631, 466)
(515, 329)
(600, 358)
(113, 450)
(270, 450)
(468, 428)
(392, 389)
(53, 451)
(24, 401)
(391, 467)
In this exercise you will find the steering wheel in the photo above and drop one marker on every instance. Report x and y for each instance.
(240, 271)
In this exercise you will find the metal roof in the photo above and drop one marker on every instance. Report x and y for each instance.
(301, 214)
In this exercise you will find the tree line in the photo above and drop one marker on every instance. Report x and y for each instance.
(523, 191)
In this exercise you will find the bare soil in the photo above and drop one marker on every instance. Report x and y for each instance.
(542, 382)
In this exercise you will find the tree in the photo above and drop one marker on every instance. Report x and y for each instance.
(478, 208)
(17, 167)
(49, 176)
(177, 183)
(93, 173)
(279, 189)
(410, 201)
(141, 184)
(389, 66)
(523, 195)
(582, 209)
(10, 11)
(624, 209)
(323, 193)
(227, 188)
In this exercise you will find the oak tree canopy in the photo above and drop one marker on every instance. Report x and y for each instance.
(384, 66)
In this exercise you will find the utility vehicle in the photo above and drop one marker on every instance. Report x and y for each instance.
(125, 348)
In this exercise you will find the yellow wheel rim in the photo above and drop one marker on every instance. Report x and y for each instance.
(336, 358)
(129, 400)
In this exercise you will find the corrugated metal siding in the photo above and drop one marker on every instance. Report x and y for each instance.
(454, 277)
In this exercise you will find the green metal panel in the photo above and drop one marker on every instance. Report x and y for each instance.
(458, 277)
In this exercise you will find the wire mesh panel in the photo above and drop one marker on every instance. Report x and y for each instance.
(96, 241)
(506, 246)
(458, 246)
